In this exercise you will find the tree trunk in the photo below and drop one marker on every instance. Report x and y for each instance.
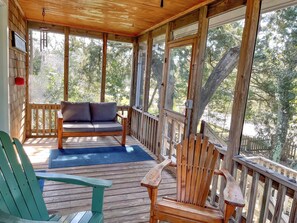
(283, 116)
(224, 67)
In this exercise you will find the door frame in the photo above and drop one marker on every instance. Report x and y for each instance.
(191, 40)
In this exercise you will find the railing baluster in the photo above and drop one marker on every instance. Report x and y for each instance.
(214, 185)
(281, 194)
(43, 119)
(242, 184)
(265, 200)
(50, 120)
(253, 197)
(36, 120)
(293, 213)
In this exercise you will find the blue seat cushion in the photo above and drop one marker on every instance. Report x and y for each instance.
(107, 126)
(102, 112)
(79, 112)
(78, 127)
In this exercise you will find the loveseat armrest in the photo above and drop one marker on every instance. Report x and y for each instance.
(123, 121)
(121, 116)
(124, 124)
(60, 115)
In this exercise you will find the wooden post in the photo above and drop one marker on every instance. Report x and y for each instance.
(196, 83)
(134, 72)
(133, 82)
(147, 73)
(104, 58)
(66, 64)
(244, 70)
(163, 88)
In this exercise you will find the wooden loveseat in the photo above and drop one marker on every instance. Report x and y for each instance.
(90, 119)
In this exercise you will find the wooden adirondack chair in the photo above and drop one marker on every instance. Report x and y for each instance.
(20, 194)
(196, 159)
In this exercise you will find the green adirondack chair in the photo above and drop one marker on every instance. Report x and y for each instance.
(20, 195)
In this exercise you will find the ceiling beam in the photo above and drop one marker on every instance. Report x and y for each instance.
(199, 5)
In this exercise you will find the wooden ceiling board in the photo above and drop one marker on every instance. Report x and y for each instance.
(124, 17)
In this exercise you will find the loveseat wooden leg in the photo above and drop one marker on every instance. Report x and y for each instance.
(124, 123)
(60, 142)
(124, 138)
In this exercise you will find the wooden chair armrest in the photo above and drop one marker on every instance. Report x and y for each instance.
(71, 179)
(173, 164)
(121, 116)
(153, 178)
(232, 192)
(60, 115)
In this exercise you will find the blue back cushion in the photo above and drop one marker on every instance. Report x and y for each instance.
(79, 112)
(102, 112)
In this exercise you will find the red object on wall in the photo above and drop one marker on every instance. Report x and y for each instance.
(19, 81)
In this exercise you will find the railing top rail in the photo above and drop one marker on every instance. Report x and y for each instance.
(272, 163)
(123, 106)
(175, 115)
(275, 176)
(33, 105)
(136, 109)
(146, 113)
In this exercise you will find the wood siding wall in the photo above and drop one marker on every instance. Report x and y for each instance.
(17, 67)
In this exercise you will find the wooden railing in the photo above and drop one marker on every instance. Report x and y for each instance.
(270, 189)
(255, 146)
(172, 134)
(42, 119)
(269, 195)
(144, 127)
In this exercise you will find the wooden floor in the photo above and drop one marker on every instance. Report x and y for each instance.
(125, 201)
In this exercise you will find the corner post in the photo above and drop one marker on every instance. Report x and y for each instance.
(168, 37)
(66, 63)
(249, 37)
(104, 59)
(199, 64)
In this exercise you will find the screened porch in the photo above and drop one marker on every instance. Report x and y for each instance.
(225, 69)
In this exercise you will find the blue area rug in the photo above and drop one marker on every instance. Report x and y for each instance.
(94, 156)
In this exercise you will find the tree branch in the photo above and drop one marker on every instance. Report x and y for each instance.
(224, 67)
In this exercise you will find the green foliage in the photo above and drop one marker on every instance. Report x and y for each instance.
(272, 98)
(156, 77)
(179, 70)
(220, 40)
(46, 69)
(118, 72)
(85, 69)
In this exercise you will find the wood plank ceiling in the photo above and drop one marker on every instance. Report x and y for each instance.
(123, 17)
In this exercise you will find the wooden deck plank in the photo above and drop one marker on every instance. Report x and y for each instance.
(125, 201)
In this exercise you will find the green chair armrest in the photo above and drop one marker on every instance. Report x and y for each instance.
(71, 179)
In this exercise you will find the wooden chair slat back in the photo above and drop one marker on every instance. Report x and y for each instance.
(196, 159)
(17, 193)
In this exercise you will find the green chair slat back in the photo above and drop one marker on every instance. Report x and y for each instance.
(32, 180)
(13, 187)
(22, 184)
(7, 202)
(20, 195)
